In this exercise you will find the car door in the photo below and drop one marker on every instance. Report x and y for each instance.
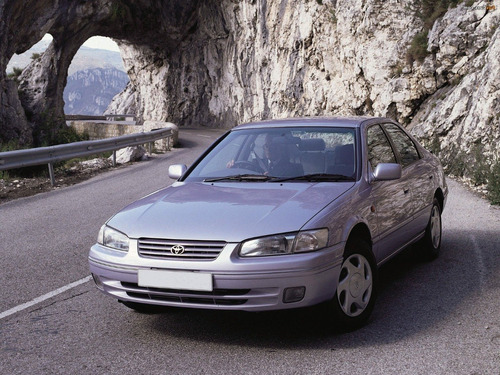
(414, 173)
(391, 200)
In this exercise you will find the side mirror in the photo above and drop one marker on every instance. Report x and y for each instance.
(387, 171)
(176, 171)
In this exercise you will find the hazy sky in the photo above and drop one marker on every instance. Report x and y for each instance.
(95, 42)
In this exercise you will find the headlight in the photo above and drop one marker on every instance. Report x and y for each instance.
(112, 238)
(285, 243)
(273, 245)
(311, 240)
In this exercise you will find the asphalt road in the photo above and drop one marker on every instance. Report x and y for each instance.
(441, 317)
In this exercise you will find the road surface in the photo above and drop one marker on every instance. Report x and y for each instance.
(441, 317)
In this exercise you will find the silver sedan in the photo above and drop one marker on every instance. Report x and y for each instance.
(278, 215)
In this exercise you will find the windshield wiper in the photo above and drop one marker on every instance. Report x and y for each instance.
(240, 177)
(316, 177)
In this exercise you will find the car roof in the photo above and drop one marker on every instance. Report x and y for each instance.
(350, 122)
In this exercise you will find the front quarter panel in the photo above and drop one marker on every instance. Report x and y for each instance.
(343, 214)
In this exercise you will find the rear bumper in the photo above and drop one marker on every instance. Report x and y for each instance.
(238, 284)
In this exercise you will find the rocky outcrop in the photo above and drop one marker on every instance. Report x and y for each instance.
(128, 154)
(461, 113)
(71, 23)
(124, 102)
(219, 63)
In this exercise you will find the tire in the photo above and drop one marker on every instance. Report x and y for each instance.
(356, 289)
(430, 245)
(144, 308)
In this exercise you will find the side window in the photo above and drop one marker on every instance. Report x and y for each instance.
(379, 148)
(404, 145)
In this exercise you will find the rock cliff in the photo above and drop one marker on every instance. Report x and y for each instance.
(219, 63)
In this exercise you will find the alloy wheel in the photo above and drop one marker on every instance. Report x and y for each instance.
(355, 285)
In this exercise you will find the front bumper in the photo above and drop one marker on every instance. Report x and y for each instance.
(250, 284)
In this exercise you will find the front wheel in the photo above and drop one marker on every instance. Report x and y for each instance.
(356, 289)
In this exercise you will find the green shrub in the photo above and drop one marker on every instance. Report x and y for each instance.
(476, 167)
(479, 169)
(494, 184)
(397, 71)
(457, 166)
(428, 11)
(5, 175)
(431, 10)
(48, 134)
(14, 75)
(69, 135)
(418, 48)
(53, 131)
(435, 145)
(10, 146)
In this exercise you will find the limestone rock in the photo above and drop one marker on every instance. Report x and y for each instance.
(14, 125)
(128, 154)
(124, 103)
(463, 112)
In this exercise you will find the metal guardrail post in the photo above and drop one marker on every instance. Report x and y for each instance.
(51, 174)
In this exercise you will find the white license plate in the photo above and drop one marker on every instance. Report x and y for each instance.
(175, 280)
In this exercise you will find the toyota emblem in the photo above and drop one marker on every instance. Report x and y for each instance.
(177, 249)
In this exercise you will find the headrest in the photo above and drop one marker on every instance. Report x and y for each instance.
(345, 154)
(285, 140)
(313, 144)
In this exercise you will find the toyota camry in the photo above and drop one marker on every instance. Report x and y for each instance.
(275, 215)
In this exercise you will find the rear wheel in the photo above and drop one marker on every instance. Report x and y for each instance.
(356, 289)
(431, 243)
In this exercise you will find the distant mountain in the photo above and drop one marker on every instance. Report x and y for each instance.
(85, 58)
(89, 91)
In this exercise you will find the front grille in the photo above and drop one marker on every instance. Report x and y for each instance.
(224, 297)
(196, 250)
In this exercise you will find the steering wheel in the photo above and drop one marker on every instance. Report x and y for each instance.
(247, 165)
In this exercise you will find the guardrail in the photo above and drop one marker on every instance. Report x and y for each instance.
(97, 118)
(53, 154)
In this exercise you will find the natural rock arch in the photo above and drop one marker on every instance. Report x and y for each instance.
(71, 23)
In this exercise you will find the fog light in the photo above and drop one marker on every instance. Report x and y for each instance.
(294, 294)
(98, 282)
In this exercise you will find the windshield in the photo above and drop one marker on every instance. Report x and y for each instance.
(281, 154)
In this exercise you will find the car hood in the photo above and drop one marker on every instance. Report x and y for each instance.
(228, 212)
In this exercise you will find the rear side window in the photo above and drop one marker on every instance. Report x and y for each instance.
(403, 143)
(379, 148)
